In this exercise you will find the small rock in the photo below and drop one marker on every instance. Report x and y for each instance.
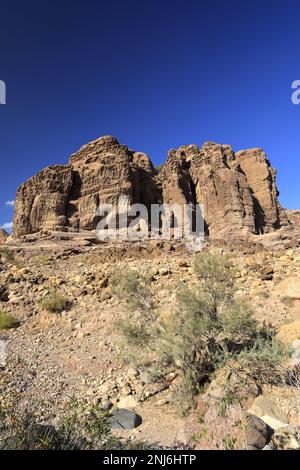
(124, 419)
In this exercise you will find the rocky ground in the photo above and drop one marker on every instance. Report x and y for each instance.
(54, 358)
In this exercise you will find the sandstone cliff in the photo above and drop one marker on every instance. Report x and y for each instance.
(3, 235)
(238, 191)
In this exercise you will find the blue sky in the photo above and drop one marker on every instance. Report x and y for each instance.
(155, 73)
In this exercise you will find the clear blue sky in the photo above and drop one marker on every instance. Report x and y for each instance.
(155, 73)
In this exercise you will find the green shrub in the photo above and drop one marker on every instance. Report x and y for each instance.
(7, 255)
(7, 321)
(54, 303)
(82, 429)
(134, 289)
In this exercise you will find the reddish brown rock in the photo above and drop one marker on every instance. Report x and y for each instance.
(261, 178)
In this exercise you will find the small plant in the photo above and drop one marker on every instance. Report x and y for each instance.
(7, 321)
(264, 360)
(136, 334)
(138, 326)
(40, 260)
(288, 301)
(82, 429)
(54, 303)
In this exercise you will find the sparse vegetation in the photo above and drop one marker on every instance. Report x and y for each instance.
(209, 327)
(54, 303)
(159, 167)
(7, 321)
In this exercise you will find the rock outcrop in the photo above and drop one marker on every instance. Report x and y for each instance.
(294, 217)
(69, 195)
(238, 191)
(3, 235)
(261, 178)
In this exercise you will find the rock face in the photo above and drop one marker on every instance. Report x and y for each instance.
(42, 201)
(100, 171)
(3, 235)
(238, 191)
(261, 178)
(294, 217)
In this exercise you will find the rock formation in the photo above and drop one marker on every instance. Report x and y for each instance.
(294, 217)
(238, 191)
(69, 195)
(3, 235)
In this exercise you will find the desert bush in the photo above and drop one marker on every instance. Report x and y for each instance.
(138, 326)
(264, 360)
(54, 302)
(7, 321)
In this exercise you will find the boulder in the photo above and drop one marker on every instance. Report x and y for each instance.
(4, 294)
(214, 426)
(289, 288)
(273, 422)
